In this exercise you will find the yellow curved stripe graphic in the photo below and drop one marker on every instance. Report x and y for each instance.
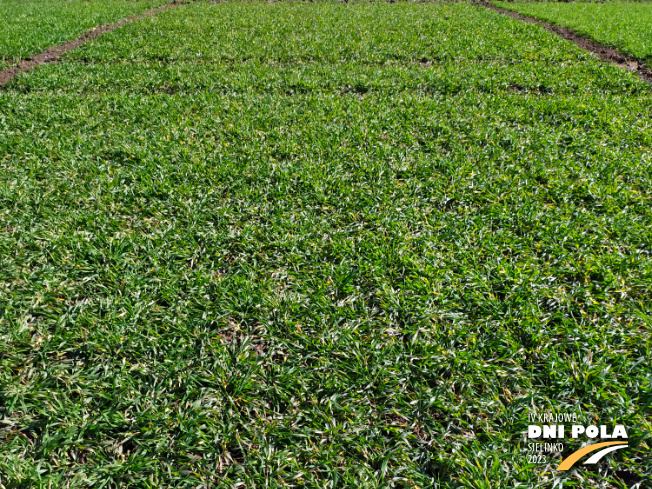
(568, 462)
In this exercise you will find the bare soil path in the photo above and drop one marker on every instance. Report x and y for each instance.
(605, 53)
(54, 53)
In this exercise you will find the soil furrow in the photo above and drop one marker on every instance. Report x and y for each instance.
(605, 53)
(54, 53)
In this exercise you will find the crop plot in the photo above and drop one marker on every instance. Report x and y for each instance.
(623, 25)
(28, 27)
(320, 245)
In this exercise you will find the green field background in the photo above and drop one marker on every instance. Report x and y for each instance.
(322, 245)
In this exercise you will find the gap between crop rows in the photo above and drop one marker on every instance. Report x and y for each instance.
(54, 53)
(605, 53)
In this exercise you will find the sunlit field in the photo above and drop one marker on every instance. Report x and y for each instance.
(321, 245)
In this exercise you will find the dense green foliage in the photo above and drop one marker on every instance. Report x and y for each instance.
(28, 27)
(320, 245)
(623, 25)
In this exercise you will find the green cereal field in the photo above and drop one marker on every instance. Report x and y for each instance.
(320, 245)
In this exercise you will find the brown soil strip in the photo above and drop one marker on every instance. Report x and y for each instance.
(53, 53)
(605, 53)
